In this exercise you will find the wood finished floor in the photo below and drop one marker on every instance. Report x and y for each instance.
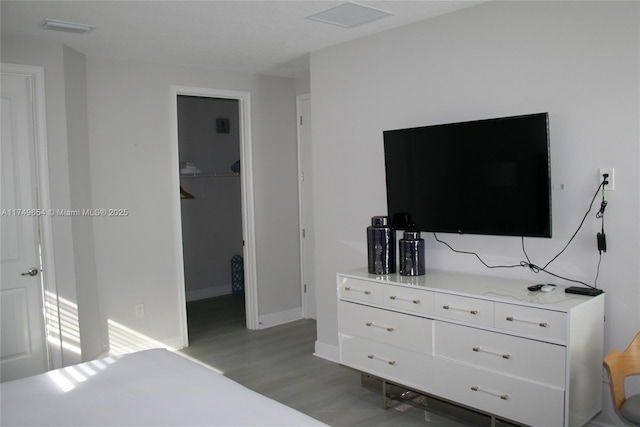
(278, 362)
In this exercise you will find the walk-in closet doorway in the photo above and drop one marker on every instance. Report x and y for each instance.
(216, 208)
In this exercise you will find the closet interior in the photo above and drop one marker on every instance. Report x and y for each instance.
(210, 192)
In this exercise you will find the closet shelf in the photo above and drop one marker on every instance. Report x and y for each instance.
(209, 175)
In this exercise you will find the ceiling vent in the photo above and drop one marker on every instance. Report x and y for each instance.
(350, 15)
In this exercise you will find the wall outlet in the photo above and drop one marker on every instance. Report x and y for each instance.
(139, 310)
(611, 178)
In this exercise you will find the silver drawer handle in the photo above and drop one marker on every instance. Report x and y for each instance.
(503, 355)
(349, 288)
(448, 307)
(388, 328)
(415, 301)
(501, 396)
(541, 324)
(374, 357)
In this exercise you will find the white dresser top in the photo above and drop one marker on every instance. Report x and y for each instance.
(493, 288)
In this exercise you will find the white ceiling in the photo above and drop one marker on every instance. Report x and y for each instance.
(263, 37)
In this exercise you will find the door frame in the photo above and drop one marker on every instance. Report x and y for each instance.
(302, 214)
(51, 313)
(246, 184)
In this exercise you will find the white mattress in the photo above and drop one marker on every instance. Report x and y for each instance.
(149, 388)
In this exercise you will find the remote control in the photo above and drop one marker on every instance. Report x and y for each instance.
(592, 292)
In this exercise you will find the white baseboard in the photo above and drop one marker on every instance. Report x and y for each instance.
(597, 423)
(210, 292)
(274, 319)
(327, 351)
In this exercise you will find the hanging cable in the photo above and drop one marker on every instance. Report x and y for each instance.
(602, 184)
(535, 268)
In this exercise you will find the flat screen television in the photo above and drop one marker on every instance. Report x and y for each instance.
(490, 177)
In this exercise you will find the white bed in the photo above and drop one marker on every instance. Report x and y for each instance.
(148, 388)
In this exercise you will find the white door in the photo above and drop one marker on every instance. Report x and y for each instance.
(306, 212)
(23, 350)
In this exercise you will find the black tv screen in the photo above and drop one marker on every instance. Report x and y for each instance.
(488, 177)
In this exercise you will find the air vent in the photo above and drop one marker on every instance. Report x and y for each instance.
(350, 15)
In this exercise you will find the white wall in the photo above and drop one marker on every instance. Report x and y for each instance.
(131, 152)
(577, 60)
(91, 320)
(303, 84)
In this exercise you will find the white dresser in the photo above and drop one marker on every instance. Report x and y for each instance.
(485, 342)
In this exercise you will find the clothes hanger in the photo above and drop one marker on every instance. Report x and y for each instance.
(184, 194)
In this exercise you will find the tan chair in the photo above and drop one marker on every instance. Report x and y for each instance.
(620, 366)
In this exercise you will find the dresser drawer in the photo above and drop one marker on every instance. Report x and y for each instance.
(472, 310)
(360, 290)
(408, 299)
(519, 357)
(392, 363)
(402, 330)
(512, 398)
(531, 321)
